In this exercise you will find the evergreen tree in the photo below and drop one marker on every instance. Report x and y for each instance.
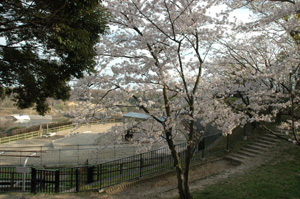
(45, 43)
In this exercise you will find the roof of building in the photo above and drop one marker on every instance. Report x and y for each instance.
(136, 115)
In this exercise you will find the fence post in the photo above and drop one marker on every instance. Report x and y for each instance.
(227, 144)
(57, 181)
(121, 168)
(77, 180)
(90, 174)
(141, 164)
(99, 175)
(12, 181)
(33, 180)
(202, 146)
(245, 132)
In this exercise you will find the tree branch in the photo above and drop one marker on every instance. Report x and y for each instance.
(288, 1)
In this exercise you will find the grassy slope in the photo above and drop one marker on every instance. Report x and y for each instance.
(278, 178)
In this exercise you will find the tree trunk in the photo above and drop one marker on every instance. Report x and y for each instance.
(186, 176)
(182, 176)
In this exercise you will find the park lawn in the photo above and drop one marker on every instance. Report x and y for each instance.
(278, 178)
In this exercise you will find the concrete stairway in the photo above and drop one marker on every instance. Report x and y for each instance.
(255, 148)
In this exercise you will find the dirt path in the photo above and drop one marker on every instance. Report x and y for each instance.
(165, 186)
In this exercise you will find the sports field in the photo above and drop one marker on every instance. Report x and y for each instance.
(91, 144)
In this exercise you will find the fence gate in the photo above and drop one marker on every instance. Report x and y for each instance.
(13, 180)
(45, 181)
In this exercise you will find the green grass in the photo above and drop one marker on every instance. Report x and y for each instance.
(278, 178)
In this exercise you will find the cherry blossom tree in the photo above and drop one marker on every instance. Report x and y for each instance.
(261, 80)
(261, 70)
(160, 47)
(165, 49)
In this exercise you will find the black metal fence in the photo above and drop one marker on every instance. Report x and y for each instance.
(93, 177)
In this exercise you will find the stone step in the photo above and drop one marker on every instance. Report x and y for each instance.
(267, 142)
(252, 150)
(270, 137)
(282, 131)
(260, 144)
(239, 155)
(234, 159)
(259, 148)
(246, 153)
(281, 134)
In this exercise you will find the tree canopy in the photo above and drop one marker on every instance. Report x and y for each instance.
(264, 67)
(158, 47)
(44, 44)
(204, 67)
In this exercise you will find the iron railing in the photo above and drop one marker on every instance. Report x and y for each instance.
(98, 176)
